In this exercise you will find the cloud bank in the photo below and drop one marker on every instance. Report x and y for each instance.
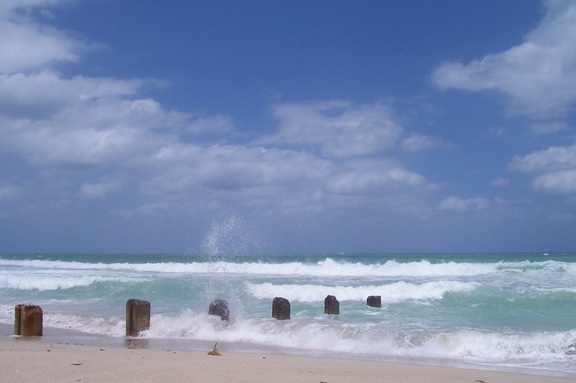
(99, 138)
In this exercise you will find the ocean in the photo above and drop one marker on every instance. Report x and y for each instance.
(496, 310)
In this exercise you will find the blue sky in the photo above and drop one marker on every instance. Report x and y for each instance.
(287, 126)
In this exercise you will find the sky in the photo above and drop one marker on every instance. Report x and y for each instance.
(287, 126)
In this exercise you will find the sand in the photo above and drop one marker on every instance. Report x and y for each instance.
(38, 360)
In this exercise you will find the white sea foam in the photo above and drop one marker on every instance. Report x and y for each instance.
(374, 340)
(327, 267)
(53, 282)
(390, 293)
(325, 334)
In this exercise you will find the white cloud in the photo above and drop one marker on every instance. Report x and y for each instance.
(554, 168)
(562, 182)
(341, 129)
(275, 179)
(49, 119)
(551, 159)
(26, 45)
(9, 6)
(89, 133)
(373, 177)
(106, 129)
(42, 94)
(418, 142)
(538, 75)
(231, 167)
(460, 205)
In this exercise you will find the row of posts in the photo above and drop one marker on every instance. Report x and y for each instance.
(28, 318)
(281, 306)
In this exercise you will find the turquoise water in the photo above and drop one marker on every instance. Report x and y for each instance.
(495, 309)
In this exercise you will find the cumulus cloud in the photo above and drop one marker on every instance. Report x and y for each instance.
(42, 94)
(26, 45)
(551, 159)
(562, 182)
(102, 137)
(340, 129)
(539, 75)
(232, 167)
(554, 169)
(373, 177)
(50, 119)
(88, 132)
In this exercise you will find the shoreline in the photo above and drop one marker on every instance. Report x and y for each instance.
(61, 355)
(24, 361)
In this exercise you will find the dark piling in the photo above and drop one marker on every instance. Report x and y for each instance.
(219, 308)
(374, 301)
(331, 305)
(280, 308)
(28, 320)
(137, 316)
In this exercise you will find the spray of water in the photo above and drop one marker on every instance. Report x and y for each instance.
(231, 236)
(226, 239)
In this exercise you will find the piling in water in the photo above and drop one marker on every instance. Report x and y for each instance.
(280, 308)
(331, 305)
(137, 316)
(219, 308)
(28, 320)
(374, 301)
(18, 320)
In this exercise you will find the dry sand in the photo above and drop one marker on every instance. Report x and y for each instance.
(32, 360)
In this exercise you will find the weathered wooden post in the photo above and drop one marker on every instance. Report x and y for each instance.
(331, 305)
(137, 316)
(280, 308)
(374, 301)
(219, 308)
(18, 320)
(28, 320)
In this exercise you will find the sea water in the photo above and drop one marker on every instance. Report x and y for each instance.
(491, 309)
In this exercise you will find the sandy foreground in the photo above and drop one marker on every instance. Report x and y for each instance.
(32, 360)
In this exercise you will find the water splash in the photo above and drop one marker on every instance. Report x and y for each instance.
(231, 235)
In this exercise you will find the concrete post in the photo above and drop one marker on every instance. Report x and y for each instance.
(28, 320)
(374, 301)
(331, 305)
(280, 308)
(137, 316)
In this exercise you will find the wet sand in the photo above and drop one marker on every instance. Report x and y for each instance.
(98, 359)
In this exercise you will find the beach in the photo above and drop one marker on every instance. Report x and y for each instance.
(65, 356)
(27, 360)
(497, 312)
